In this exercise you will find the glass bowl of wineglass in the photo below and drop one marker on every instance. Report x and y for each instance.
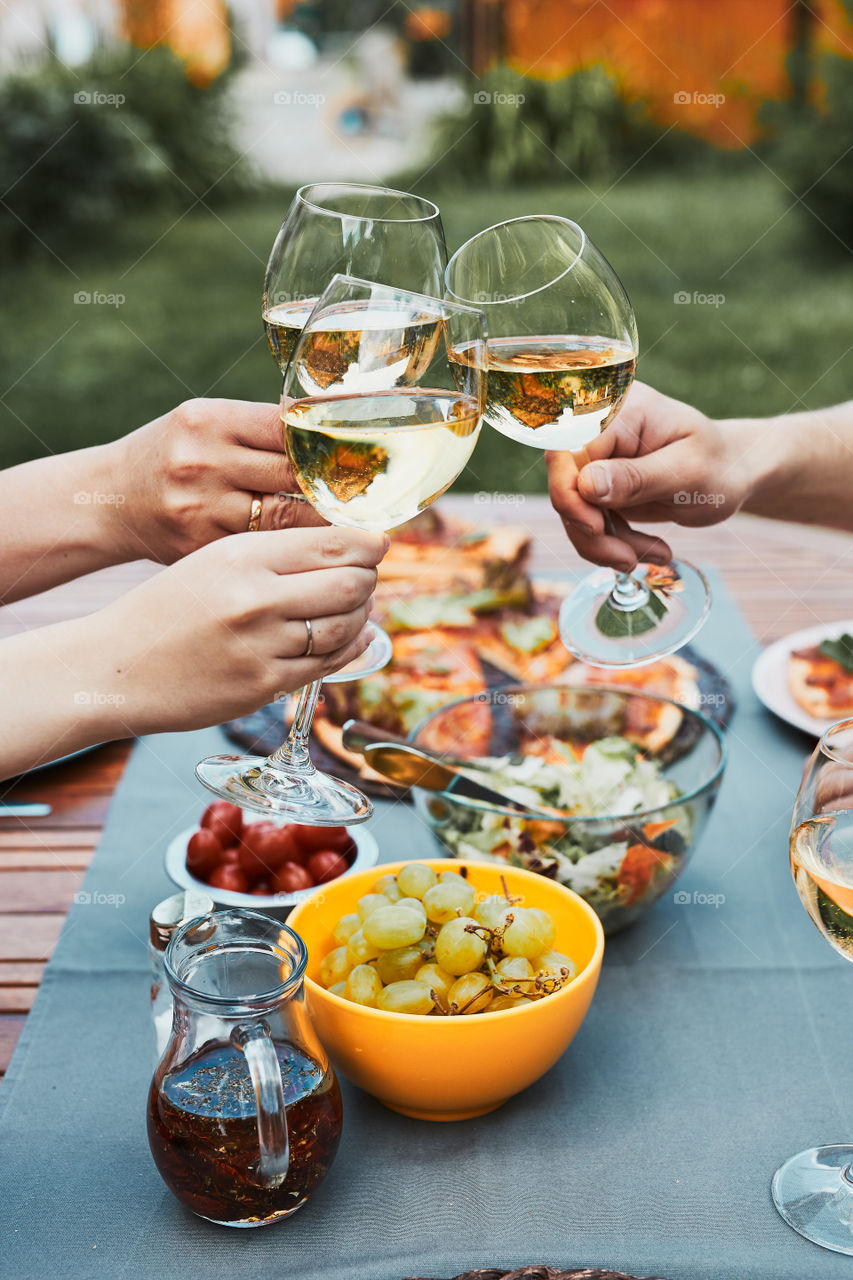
(343, 228)
(562, 354)
(813, 1190)
(378, 422)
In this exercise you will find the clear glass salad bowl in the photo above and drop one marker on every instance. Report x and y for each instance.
(636, 774)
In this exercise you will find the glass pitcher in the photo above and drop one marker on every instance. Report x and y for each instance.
(244, 1112)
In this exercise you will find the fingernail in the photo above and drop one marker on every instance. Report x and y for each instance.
(387, 541)
(371, 602)
(596, 479)
(368, 635)
(657, 557)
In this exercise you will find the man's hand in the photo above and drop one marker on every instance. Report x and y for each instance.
(659, 460)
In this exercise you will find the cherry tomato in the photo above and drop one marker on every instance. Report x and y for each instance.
(230, 856)
(224, 820)
(290, 877)
(264, 852)
(327, 865)
(229, 876)
(203, 853)
(313, 839)
(262, 886)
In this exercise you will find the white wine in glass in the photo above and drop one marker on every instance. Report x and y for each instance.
(562, 355)
(813, 1190)
(378, 424)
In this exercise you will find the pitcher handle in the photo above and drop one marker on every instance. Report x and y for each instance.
(256, 1044)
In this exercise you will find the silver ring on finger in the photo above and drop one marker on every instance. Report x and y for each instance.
(309, 649)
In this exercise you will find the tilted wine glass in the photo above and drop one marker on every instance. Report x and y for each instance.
(813, 1190)
(342, 228)
(374, 233)
(562, 355)
(378, 421)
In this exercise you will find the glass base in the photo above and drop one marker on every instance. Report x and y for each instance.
(376, 656)
(611, 622)
(813, 1191)
(300, 795)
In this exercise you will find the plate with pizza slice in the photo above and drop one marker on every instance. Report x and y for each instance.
(806, 678)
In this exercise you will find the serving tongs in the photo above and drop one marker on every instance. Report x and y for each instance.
(413, 766)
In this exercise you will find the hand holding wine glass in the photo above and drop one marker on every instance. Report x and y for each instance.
(562, 354)
(379, 419)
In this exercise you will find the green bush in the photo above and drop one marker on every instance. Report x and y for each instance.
(515, 129)
(811, 148)
(81, 149)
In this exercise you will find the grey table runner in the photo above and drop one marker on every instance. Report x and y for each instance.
(719, 1043)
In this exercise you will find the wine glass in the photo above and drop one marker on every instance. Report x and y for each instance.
(379, 421)
(375, 233)
(562, 354)
(813, 1190)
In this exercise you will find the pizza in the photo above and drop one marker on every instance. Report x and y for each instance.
(820, 683)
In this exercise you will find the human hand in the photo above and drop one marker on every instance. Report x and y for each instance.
(660, 459)
(189, 477)
(222, 632)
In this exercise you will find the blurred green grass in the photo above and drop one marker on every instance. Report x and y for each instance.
(74, 374)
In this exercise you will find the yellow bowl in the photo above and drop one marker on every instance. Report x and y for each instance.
(436, 1068)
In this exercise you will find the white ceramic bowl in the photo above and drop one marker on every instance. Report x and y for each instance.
(279, 904)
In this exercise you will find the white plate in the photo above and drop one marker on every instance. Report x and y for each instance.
(770, 675)
(366, 855)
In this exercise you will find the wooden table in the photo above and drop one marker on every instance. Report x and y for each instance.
(783, 577)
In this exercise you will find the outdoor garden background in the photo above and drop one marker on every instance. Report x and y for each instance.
(148, 153)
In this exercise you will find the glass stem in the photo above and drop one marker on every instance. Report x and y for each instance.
(293, 752)
(629, 593)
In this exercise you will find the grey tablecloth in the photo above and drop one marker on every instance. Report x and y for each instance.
(720, 1042)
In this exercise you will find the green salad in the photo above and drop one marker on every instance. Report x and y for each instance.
(615, 862)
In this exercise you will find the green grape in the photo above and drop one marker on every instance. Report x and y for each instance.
(515, 969)
(387, 885)
(436, 978)
(399, 965)
(549, 929)
(550, 964)
(369, 904)
(334, 967)
(415, 878)
(491, 911)
(447, 899)
(472, 993)
(346, 927)
(393, 926)
(457, 951)
(405, 997)
(524, 936)
(360, 950)
(507, 1002)
(413, 904)
(339, 989)
(364, 985)
(450, 877)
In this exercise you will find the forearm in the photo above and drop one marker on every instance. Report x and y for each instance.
(60, 517)
(802, 466)
(57, 695)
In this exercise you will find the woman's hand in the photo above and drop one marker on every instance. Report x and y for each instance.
(660, 459)
(215, 636)
(189, 477)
